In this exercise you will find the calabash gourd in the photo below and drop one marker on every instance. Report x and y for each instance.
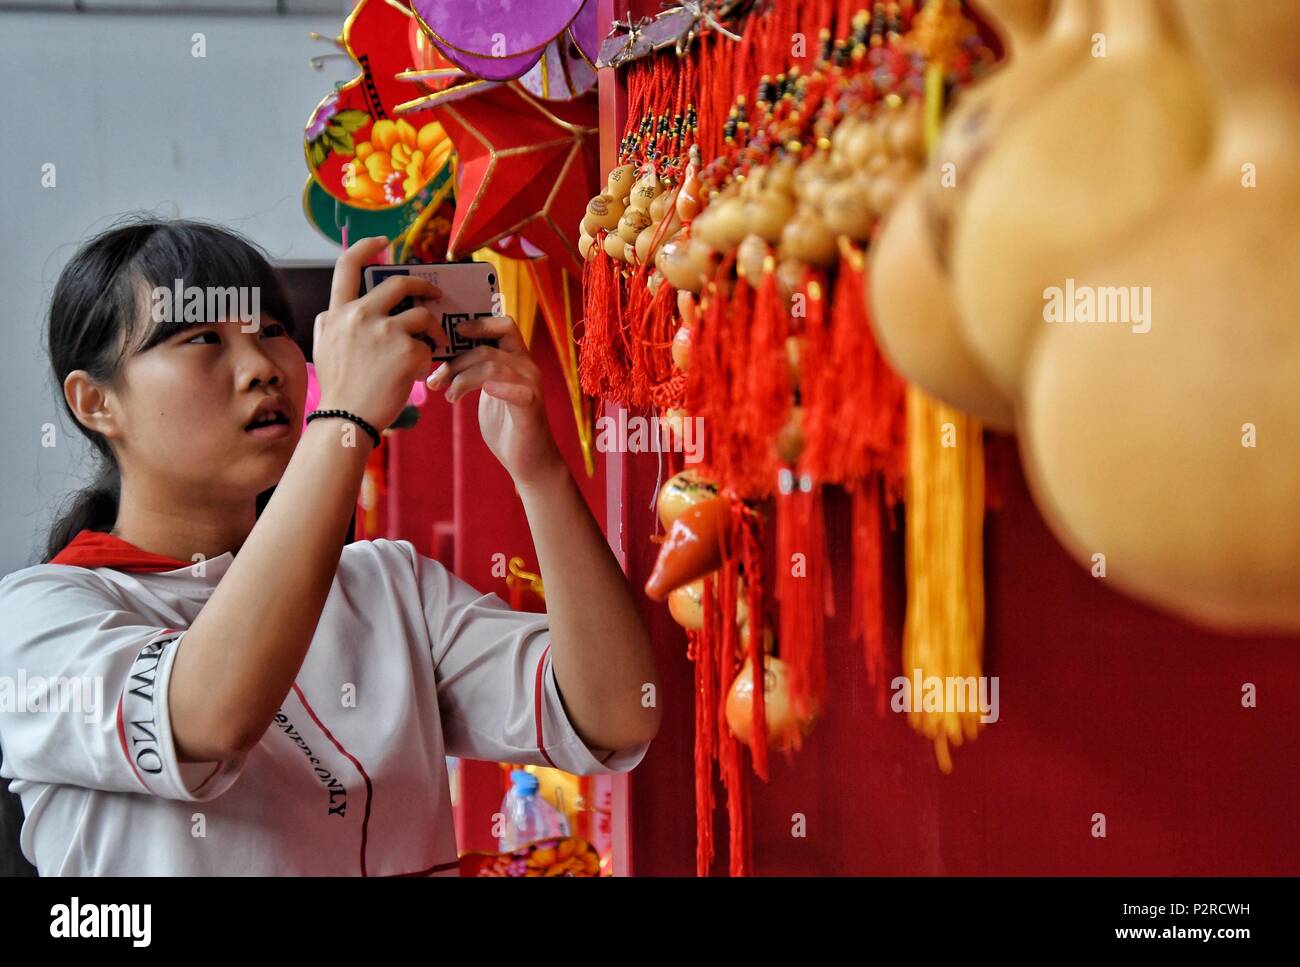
(1175, 452)
(912, 308)
(1077, 175)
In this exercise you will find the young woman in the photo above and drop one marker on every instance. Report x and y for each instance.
(271, 700)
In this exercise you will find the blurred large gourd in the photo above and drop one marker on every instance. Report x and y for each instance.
(1046, 42)
(1137, 444)
(912, 306)
(913, 317)
(1074, 178)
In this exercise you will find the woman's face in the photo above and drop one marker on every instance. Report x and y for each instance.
(184, 404)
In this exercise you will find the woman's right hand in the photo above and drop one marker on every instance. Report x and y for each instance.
(366, 360)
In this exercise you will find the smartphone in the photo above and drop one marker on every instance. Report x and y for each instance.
(469, 291)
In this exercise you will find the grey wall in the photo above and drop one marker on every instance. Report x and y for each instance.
(133, 121)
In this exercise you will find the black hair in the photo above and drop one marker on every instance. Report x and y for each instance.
(100, 316)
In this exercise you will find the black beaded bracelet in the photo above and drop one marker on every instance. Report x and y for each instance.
(344, 414)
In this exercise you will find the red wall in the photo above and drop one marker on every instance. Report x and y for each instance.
(1106, 706)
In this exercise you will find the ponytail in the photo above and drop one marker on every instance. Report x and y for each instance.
(93, 508)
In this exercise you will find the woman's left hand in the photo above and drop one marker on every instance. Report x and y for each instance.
(511, 410)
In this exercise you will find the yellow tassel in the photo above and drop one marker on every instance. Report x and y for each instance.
(943, 634)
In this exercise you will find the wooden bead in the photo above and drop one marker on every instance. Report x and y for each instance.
(751, 256)
(790, 438)
(603, 211)
(789, 277)
(768, 213)
(807, 239)
(794, 347)
(633, 222)
(702, 256)
(620, 182)
(682, 490)
(847, 211)
(615, 247)
(682, 348)
(688, 202)
(905, 134)
(646, 190)
(673, 262)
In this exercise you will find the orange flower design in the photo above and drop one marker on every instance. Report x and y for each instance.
(396, 162)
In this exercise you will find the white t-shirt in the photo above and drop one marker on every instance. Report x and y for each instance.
(409, 664)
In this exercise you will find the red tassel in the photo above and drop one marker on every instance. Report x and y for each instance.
(727, 664)
(886, 439)
(764, 404)
(653, 328)
(805, 592)
(722, 422)
(821, 598)
(855, 435)
(636, 299)
(819, 371)
(867, 624)
(729, 754)
(735, 780)
(708, 383)
(791, 589)
(799, 580)
(854, 419)
(747, 542)
(670, 394)
(603, 359)
(706, 697)
(768, 383)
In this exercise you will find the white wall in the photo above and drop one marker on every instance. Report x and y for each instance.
(133, 121)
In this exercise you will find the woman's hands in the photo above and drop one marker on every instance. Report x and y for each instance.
(511, 410)
(366, 360)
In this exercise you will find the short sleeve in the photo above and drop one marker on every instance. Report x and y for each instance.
(89, 685)
(497, 692)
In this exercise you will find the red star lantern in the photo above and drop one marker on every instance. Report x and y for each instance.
(527, 167)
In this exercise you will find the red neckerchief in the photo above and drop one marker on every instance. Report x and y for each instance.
(99, 549)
